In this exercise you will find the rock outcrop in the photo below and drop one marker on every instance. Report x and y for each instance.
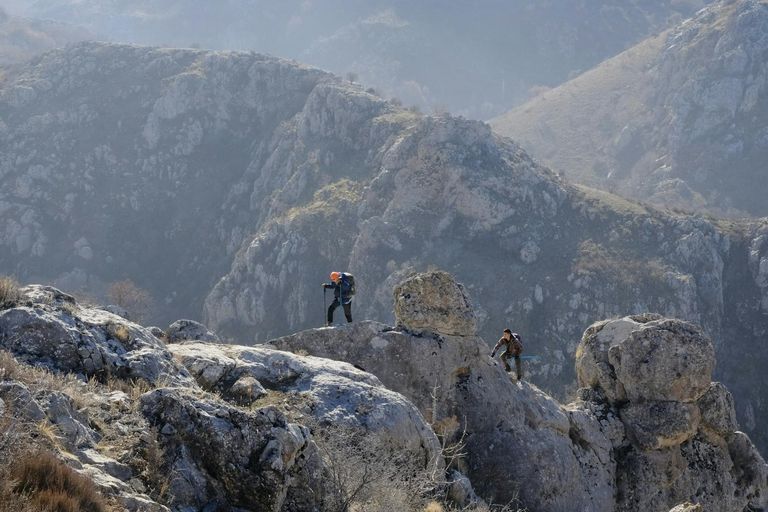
(435, 302)
(326, 393)
(184, 330)
(219, 456)
(649, 430)
(197, 425)
(49, 328)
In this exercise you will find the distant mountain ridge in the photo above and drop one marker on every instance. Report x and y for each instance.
(677, 121)
(475, 59)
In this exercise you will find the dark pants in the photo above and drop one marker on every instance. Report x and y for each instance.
(334, 305)
(518, 365)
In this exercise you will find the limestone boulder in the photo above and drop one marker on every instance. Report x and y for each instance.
(434, 301)
(183, 329)
(326, 393)
(646, 358)
(48, 328)
(749, 470)
(218, 455)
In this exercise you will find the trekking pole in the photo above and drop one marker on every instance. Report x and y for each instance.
(325, 320)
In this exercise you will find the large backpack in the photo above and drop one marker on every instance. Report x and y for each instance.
(348, 284)
(516, 344)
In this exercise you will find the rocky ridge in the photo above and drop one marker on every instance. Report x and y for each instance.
(676, 121)
(252, 431)
(195, 425)
(252, 177)
(648, 431)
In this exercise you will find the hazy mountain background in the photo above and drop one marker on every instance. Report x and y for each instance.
(22, 38)
(678, 120)
(475, 58)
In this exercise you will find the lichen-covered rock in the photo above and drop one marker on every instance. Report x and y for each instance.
(749, 470)
(217, 455)
(48, 328)
(182, 330)
(328, 394)
(656, 425)
(717, 409)
(452, 380)
(436, 302)
(687, 507)
(652, 359)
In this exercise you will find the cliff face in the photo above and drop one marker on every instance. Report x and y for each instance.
(677, 120)
(371, 416)
(233, 183)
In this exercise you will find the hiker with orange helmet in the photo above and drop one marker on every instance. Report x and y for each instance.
(343, 285)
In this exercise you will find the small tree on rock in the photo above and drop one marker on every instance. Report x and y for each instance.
(130, 297)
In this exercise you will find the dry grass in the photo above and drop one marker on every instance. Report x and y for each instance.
(595, 259)
(133, 443)
(54, 486)
(9, 292)
(119, 332)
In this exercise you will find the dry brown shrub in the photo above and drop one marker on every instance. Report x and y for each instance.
(54, 486)
(137, 301)
(9, 291)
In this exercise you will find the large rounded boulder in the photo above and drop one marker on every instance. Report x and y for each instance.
(646, 358)
(434, 301)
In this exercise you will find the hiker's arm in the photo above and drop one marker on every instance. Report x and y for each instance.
(498, 344)
(328, 285)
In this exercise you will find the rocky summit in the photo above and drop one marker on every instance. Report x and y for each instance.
(372, 416)
(228, 185)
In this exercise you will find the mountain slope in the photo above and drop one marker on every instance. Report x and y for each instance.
(230, 184)
(677, 120)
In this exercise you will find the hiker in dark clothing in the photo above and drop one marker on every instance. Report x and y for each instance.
(513, 345)
(343, 289)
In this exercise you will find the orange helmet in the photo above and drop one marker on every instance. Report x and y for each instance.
(335, 276)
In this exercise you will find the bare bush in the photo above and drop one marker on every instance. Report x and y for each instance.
(9, 292)
(126, 294)
(363, 473)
